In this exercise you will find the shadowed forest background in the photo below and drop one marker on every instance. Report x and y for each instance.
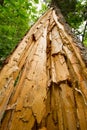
(17, 16)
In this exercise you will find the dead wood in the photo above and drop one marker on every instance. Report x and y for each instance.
(44, 84)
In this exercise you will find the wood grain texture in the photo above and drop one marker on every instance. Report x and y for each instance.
(44, 84)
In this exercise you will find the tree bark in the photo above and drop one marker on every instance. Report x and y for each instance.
(44, 84)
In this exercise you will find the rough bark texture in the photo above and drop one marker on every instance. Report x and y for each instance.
(44, 84)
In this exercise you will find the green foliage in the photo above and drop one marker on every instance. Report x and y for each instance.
(13, 25)
(85, 39)
(77, 18)
(36, 8)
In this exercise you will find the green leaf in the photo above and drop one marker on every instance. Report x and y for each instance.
(36, 1)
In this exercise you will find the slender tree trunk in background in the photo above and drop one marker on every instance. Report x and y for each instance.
(44, 84)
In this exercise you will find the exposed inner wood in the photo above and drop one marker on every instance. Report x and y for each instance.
(44, 84)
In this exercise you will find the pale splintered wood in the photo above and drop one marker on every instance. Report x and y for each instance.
(68, 107)
(5, 98)
(56, 44)
(33, 96)
(68, 39)
(44, 84)
(81, 113)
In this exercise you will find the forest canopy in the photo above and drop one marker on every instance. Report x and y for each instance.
(17, 16)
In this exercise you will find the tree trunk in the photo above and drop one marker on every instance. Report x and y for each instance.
(44, 84)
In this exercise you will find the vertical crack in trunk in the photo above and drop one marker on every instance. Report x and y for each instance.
(50, 79)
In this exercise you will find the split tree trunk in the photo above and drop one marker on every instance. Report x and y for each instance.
(44, 84)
